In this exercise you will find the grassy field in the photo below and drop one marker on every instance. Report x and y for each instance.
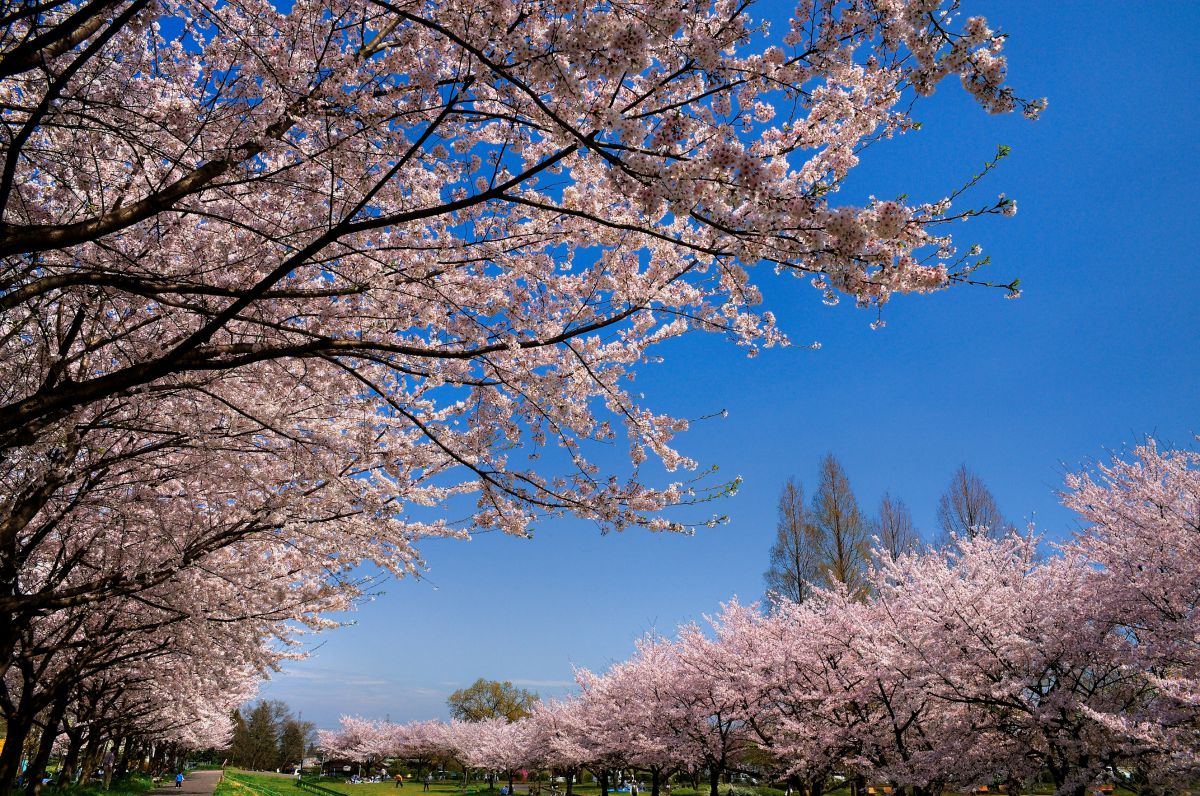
(260, 783)
(246, 783)
(131, 785)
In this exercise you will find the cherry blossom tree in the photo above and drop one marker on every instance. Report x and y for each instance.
(987, 661)
(492, 744)
(242, 617)
(277, 285)
(160, 702)
(703, 709)
(503, 746)
(563, 737)
(630, 717)
(590, 730)
(799, 693)
(294, 276)
(363, 739)
(1015, 642)
(423, 742)
(1142, 528)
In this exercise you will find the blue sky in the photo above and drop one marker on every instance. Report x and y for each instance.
(1102, 349)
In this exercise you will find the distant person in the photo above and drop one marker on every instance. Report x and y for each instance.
(428, 781)
(179, 780)
(399, 780)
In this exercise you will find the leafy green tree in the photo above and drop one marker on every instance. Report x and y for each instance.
(295, 739)
(490, 699)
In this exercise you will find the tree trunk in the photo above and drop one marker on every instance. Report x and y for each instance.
(604, 782)
(66, 774)
(714, 781)
(10, 755)
(59, 709)
(571, 780)
(91, 756)
(126, 747)
(816, 786)
(654, 780)
(1059, 774)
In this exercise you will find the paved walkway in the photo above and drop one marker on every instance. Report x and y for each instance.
(197, 783)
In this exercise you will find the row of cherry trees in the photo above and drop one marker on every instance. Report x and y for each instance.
(277, 278)
(128, 689)
(978, 665)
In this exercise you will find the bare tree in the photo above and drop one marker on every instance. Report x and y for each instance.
(893, 527)
(796, 553)
(840, 526)
(968, 509)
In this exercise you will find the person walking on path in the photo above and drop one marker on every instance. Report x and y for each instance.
(428, 779)
(195, 783)
(179, 780)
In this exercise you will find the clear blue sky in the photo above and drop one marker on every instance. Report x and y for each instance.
(1103, 348)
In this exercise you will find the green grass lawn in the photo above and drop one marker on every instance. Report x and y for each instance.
(246, 783)
(129, 785)
(259, 783)
(454, 788)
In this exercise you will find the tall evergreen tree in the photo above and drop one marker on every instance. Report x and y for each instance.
(294, 741)
(239, 744)
(256, 739)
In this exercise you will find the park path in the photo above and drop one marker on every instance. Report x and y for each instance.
(197, 783)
